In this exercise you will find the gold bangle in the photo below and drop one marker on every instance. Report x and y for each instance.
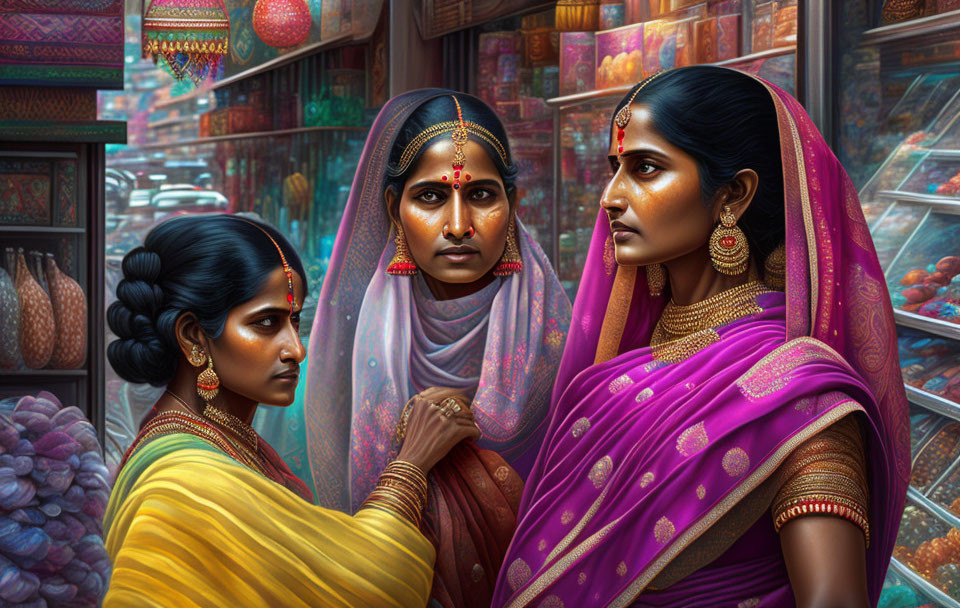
(391, 502)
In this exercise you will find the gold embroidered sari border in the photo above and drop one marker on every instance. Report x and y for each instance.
(615, 317)
(763, 472)
(829, 353)
(810, 232)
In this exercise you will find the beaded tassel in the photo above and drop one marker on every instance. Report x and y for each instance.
(510, 262)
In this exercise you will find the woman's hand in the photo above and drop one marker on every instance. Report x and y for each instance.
(430, 432)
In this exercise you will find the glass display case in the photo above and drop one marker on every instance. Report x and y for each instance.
(903, 144)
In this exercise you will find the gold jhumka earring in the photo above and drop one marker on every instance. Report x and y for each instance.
(208, 382)
(775, 269)
(402, 262)
(729, 250)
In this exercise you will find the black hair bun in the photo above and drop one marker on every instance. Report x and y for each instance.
(139, 354)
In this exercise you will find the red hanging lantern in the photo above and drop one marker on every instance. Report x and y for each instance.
(282, 23)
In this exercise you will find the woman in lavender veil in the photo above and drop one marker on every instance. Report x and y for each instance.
(436, 291)
(728, 426)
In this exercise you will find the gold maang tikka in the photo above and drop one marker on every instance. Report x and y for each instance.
(287, 270)
(460, 137)
(622, 118)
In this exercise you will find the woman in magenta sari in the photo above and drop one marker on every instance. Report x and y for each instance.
(718, 439)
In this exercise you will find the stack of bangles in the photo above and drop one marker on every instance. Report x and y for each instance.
(401, 490)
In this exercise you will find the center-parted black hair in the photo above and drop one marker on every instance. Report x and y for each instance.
(206, 265)
(727, 122)
(443, 109)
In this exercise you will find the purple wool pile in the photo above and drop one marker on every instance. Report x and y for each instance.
(53, 493)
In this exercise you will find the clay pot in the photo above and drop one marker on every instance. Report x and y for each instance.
(949, 265)
(35, 262)
(9, 320)
(915, 295)
(70, 313)
(914, 277)
(37, 325)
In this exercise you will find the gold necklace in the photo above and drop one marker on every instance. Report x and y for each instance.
(685, 330)
(249, 457)
(225, 419)
(240, 428)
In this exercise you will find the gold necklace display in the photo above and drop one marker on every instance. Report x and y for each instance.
(240, 428)
(683, 331)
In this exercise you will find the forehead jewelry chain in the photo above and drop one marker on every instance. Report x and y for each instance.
(283, 261)
(459, 135)
(622, 119)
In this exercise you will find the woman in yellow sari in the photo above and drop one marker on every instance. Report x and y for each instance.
(204, 512)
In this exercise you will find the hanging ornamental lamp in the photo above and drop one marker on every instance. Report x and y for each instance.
(190, 36)
(282, 23)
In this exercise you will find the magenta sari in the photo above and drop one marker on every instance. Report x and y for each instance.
(650, 471)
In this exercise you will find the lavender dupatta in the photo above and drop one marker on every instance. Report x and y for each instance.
(641, 459)
(378, 339)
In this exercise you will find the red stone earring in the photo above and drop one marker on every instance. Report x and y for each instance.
(510, 262)
(402, 262)
(729, 250)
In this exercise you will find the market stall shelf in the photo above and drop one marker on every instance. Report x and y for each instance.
(912, 205)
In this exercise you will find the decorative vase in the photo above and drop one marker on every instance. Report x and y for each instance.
(895, 11)
(35, 262)
(9, 315)
(578, 15)
(37, 325)
(70, 314)
(282, 23)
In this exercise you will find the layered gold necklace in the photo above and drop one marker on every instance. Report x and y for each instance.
(683, 331)
(247, 448)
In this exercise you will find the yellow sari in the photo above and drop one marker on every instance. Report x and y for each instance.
(189, 526)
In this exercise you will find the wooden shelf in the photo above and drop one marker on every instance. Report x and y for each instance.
(282, 60)
(90, 131)
(915, 28)
(28, 230)
(179, 99)
(934, 403)
(934, 326)
(199, 141)
(577, 98)
(922, 585)
(43, 373)
(783, 50)
(169, 122)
